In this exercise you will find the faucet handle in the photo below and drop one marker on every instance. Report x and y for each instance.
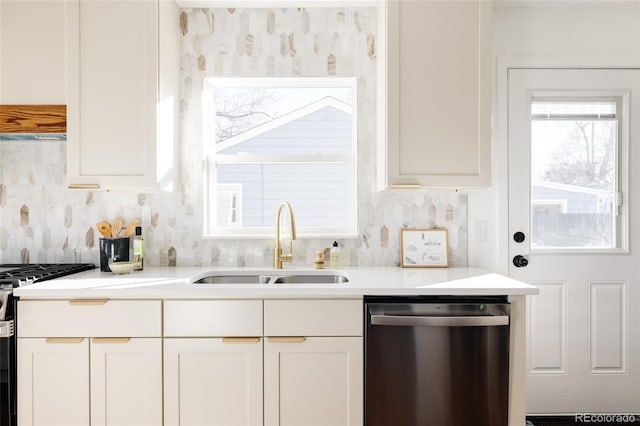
(290, 254)
(287, 257)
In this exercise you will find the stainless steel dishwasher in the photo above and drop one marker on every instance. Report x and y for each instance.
(436, 361)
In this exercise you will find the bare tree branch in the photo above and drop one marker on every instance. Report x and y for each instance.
(241, 112)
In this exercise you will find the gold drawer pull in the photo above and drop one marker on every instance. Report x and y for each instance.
(64, 339)
(83, 186)
(111, 339)
(285, 339)
(240, 340)
(88, 301)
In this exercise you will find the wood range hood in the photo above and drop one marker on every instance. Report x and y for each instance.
(20, 119)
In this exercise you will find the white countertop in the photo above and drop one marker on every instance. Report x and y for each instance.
(176, 283)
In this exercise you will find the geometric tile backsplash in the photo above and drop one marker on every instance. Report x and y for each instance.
(42, 221)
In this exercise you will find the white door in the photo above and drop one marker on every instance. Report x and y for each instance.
(213, 381)
(53, 381)
(313, 381)
(574, 171)
(126, 381)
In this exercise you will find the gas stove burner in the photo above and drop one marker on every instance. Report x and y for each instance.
(16, 275)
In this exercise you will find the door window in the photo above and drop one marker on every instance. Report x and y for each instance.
(575, 187)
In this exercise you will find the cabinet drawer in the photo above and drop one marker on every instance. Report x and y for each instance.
(313, 317)
(212, 318)
(90, 318)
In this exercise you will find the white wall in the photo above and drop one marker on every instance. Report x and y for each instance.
(561, 27)
(561, 33)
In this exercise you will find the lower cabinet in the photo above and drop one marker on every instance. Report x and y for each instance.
(75, 369)
(210, 362)
(53, 381)
(213, 381)
(305, 366)
(126, 381)
(80, 381)
(313, 381)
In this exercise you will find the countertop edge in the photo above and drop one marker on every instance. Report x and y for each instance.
(176, 283)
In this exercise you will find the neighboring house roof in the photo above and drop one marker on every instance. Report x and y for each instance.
(572, 188)
(327, 101)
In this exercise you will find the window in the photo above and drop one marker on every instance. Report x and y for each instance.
(268, 140)
(576, 192)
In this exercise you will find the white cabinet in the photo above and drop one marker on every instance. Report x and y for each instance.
(122, 93)
(213, 381)
(53, 381)
(32, 52)
(313, 381)
(437, 114)
(213, 362)
(211, 318)
(72, 370)
(313, 317)
(313, 362)
(126, 381)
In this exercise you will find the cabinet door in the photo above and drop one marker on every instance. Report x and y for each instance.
(32, 34)
(313, 381)
(126, 381)
(112, 93)
(438, 110)
(213, 382)
(53, 381)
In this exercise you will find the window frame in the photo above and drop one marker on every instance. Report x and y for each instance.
(211, 159)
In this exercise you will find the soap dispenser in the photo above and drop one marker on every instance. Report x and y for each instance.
(335, 256)
(138, 250)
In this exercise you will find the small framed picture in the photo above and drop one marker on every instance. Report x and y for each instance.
(423, 248)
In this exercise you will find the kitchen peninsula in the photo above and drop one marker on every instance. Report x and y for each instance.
(124, 346)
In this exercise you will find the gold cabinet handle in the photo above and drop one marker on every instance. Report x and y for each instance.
(296, 339)
(64, 339)
(88, 301)
(240, 339)
(83, 186)
(111, 339)
(405, 186)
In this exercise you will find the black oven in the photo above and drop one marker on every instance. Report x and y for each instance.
(8, 405)
(12, 276)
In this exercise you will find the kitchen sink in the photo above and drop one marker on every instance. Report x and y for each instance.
(275, 277)
(233, 279)
(311, 279)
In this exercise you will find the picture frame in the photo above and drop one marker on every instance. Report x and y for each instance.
(424, 248)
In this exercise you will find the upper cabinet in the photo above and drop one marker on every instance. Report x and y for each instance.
(437, 113)
(32, 52)
(122, 93)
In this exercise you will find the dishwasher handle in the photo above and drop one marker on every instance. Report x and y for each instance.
(440, 321)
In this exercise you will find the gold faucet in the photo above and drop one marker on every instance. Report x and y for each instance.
(278, 255)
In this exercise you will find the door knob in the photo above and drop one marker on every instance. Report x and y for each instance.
(520, 261)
